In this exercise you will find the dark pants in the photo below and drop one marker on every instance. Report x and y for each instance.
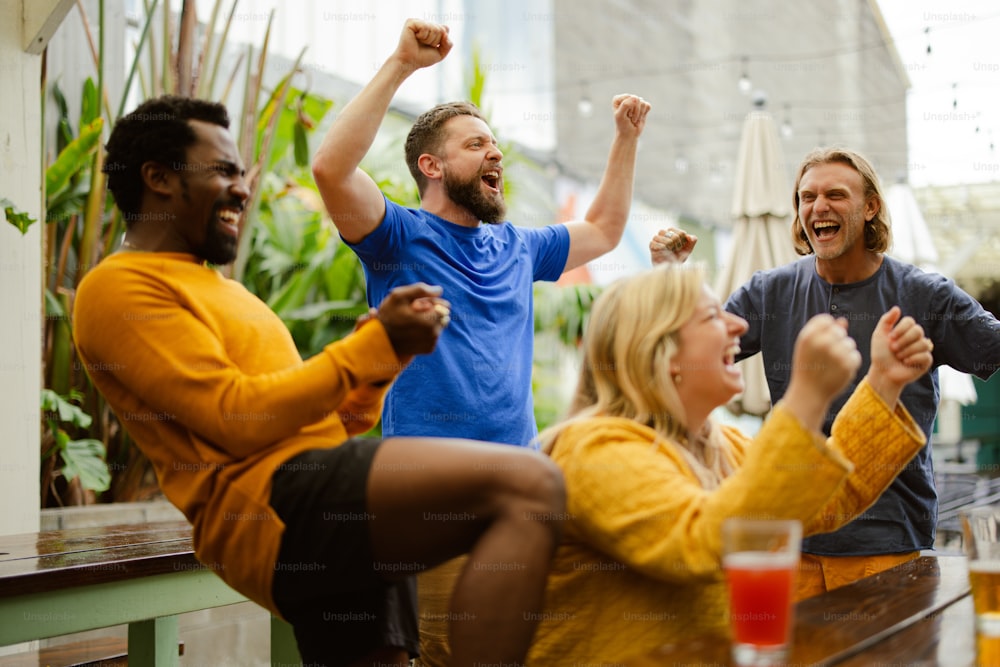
(326, 583)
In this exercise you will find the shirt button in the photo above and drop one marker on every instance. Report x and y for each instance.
(833, 307)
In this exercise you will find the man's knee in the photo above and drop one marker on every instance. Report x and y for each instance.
(551, 487)
(537, 482)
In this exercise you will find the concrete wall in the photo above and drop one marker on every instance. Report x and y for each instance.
(686, 57)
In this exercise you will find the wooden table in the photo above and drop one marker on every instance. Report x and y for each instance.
(917, 613)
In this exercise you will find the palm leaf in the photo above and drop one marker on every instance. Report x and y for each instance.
(74, 158)
(19, 219)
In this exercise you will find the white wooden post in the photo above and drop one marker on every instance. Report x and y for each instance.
(25, 28)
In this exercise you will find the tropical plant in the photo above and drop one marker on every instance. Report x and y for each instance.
(561, 313)
(291, 255)
(16, 216)
(82, 227)
(297, 263)
(78, 460)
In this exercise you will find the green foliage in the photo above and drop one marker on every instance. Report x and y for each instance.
(81, 459)
(290, 254)
(295, 124)
(16, 217)
(563, 310)
(561, 313)
(476, 82)
(73, 158)
(83, 226)
(299, 266)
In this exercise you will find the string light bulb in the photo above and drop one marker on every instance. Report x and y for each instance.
(745, 84)
(585, 107)
(786, 123)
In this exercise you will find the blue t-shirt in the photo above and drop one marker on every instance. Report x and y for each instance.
(777, 303)
(477, 382)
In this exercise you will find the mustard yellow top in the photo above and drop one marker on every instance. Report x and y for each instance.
(639, 563)
(208, 381)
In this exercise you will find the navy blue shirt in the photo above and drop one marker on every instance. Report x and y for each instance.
(777, 303)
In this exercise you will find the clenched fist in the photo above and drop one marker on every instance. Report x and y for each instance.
(630, 114)
(414, 316)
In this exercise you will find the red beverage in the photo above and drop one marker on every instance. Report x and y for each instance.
(760, 596)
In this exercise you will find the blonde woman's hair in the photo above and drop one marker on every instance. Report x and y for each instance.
(632, 335)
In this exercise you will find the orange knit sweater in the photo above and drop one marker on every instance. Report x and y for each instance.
(207, 380)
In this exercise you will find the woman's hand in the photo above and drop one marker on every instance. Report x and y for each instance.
(824, 362)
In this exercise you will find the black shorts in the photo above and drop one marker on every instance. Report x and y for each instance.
(326, 584)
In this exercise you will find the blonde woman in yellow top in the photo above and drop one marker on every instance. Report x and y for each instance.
(650, 477)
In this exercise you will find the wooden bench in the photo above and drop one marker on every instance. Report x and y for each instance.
(89, 652)
(61, 582)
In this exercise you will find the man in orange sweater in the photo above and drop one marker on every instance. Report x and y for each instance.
(255, 444)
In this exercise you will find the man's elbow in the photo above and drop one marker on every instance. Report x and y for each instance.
(609, 237)
(322, 170)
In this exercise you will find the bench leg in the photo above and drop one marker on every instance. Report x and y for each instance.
(153, 643)
(284, 650)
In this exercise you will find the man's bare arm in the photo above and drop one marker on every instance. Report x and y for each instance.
(351, 196)
(604, 224)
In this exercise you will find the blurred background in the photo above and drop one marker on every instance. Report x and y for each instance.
(740, 89)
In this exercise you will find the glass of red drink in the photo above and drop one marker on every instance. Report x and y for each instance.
(760, 558)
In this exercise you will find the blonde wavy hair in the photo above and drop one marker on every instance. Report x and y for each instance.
(878, 230)
(632, 335)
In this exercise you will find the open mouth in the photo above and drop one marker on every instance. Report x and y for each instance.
(825, 230)
(230, 219)
(492, 180)
(729, 359)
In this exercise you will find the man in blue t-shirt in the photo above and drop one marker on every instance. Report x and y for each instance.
(477, 383)
(842, 228)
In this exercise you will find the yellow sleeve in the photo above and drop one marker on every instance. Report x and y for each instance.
(637, 501)
(879, 443)
(362, 408)
(146, 349)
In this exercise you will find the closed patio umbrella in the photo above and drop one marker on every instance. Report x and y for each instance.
(761, 238)
(911, 237)
(912, 242)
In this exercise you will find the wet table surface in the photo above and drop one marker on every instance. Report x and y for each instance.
(919, 613)
(52, 560)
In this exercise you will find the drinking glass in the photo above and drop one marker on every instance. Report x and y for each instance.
(760, 558)
(981, 540)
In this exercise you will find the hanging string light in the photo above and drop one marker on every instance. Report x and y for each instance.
(786, 123)
(745, 84)
(585, 107)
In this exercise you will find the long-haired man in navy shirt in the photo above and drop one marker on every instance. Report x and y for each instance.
(842, 229)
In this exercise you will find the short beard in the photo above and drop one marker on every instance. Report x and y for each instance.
(218, 249)
(469, 195)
